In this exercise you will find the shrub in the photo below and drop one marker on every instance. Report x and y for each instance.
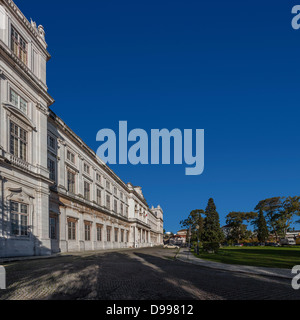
(194, 244)
(211, 247)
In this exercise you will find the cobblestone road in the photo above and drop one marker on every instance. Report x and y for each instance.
(134, 274)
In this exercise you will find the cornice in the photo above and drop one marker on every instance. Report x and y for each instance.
(80, 143)
(39, 177)
(20, 67)
(92, 207)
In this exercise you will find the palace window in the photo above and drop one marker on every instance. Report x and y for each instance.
(51, 142)
(18, 101)
(107, 201)
(70, 156)
(122, 208)
(19, 219)
(18, 45)
(115, 191)
(71, 229)
(108, 231)
(127, 236)
(51, 168)
(52, 227)
(116, 234)
(18, 141)
(98, 177)
(86, 168)
(87, 190)
(99, 197)
(71, 182)
(99, 233)
(87, 231)
(107, 185)
(122, 235)
(115, 206)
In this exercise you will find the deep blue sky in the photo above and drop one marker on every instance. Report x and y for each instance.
(229, 67)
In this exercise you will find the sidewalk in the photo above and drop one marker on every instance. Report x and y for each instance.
(185, 256)
(66, 254)
(15, 259)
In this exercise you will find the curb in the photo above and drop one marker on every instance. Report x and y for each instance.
(236, 271)
(15, 259)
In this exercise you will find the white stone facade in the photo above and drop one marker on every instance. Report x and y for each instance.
(56, 195)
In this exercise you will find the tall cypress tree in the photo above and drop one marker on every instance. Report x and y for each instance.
(262, 229)
(212, 230)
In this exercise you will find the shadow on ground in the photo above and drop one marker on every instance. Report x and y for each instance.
(134, 275)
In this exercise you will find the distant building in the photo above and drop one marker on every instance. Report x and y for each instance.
(293, 237)
(182, 235)
(226, 230)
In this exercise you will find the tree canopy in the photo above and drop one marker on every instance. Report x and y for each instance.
(212, 231)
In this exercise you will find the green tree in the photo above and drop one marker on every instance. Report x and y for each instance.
(290, 209)
(261, 227)
(212, 231)
(238, 230)
(280, 213)
(193, 220)
(271, 208)
(249, 235)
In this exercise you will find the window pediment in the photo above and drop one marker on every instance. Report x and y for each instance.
(19, 195)
(18, 116)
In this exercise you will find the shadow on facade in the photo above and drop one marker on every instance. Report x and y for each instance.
(23, 247)
(17, 246)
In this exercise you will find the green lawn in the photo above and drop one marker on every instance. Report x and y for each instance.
(273, 257)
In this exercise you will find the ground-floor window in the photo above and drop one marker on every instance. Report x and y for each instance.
(87, 231)
(122, 235)
(52, 227)
(99, 233)
(127, 236)
(19, 219)
(72, 229)
(108, 230)
(116, 234)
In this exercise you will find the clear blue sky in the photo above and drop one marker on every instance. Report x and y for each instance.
(229, 67)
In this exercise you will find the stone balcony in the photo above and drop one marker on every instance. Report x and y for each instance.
(20, 163)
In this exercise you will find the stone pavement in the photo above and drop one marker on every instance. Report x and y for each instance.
(186, 256)
(136, 274)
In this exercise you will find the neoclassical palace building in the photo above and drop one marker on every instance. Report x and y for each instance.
(56, 195)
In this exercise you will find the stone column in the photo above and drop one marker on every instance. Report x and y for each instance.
(1, 206)
(135, 236)
(63, 230)
(41, 209)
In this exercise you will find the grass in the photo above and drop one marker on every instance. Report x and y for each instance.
(272, 257)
